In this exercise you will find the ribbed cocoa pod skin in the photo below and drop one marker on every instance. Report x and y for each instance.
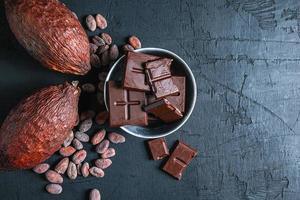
(49, 31)
(37, 126)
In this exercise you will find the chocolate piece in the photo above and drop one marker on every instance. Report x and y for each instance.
(158, 148)
(125, 107)
(159, 77)
(134, 78)
(164, 110)
(178, 99)
(179, 160)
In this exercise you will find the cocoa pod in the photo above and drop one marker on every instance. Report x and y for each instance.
(72, 171)
(98, 137)
(69, 139)
(54, 188)
(62, 166)
(41, 168)
(110, 152)
(97, 172)
(79, 156)
(54, 177)
(107, 38)
(82, 137)
(102, 147)
(103, 163)
(88, 87)
(95, 195)
(101, 21)
(50, 33)
(113, 52)
(116, 138)
(67, 151)
(77, 144)
(91, 23)
(135, 42)
(85, 169)
(38, 126)
(85, 126)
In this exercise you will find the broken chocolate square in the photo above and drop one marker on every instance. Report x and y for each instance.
(158, 148)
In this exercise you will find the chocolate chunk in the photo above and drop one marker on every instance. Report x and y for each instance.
(179, 160)
(134, 78)
(164, 110)
(125, 107)
(159, 77)
(158, 148)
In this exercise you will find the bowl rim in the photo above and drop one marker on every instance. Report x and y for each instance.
(187, 115)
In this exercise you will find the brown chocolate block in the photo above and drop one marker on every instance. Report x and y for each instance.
(134, 77)
(179, 160)
(125, 107)
(164, 110)
(158, 148)
(159, 77)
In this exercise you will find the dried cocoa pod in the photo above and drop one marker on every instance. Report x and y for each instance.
(82, 137)
(103, 163)
(87, 114)
(116, 138)
(102, 76)
(102, 49)
(50, 33)
(98, 137)
(101, 117)
(113, 52)
(88, 87)
(102, 147)
(85, 126)
(91, 23)
(95, 61)
(97, 172)
(62, 166)
(54, 188)
(72, 171)
(41, 168)
(95, 195)
(105, 59)
(101, 21)
(107, 38)
(135, 42)
(127, 47)
(93, 49)
(54, 177)
(85, 169)
(67, 151)
(77, 144)
(98, 41)
(38, 126)
(79, 156)
(78, 167)
(110, 152)
(69, 139)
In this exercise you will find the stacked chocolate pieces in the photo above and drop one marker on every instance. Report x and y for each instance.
(148, 91)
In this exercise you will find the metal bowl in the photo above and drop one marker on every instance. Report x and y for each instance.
(179, 67)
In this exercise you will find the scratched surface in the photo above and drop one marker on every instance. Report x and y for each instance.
(245, 56)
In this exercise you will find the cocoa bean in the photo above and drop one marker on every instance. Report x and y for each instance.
(100, 98)
(113, 52)
(72, 171)
(107, 38)
(105, 59)
(77, 144)
(95, 61)
(102, 147)
(41, 168)
(88, 87)
(69, 139)
(98, 137)
(79, 156)
(93, 48)
(91, 23)
(102, 76)
(97, 172)
(98, 41)
(62, 166)
(103, 163)
(101, 86)
(101, 21)
(67, 151)
(110, 152)
(78, 167)
(54, 188)
(116, 138)
(82, 137)
(135, 42)
(85, 169)
(102, 49)
(95, 195)
(54, 177)
(85, 126)
(101, 117)
(87, 114)
(127, 47)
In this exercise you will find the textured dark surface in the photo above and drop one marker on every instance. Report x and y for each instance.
(246, 121)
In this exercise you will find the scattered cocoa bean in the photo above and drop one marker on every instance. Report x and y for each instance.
(87, 114)
(98, 137)
(97, 172)
(101, 86)
(91, 23)
(101, 117)
(110, 152)
(102, 49)
(72, 171)
(93, 48)
(54, 177)
(95, 61)
(98, 41)
(107, 38)
(102, 76)
(101, 21)
(77, 144)
(127, 47)
(78, 167)
(82, 137)
(88, 87)
(95, 195)
(135, 42)
(113, 52)
(100, 98)
(54, 188)
(41, 168)
(62, 166)
(85, 169)
(69, 139)
(102, 147)
(67, 151)
(116, 138)
(103, 163)
(105, 59)
(85, 126)
(79, 156)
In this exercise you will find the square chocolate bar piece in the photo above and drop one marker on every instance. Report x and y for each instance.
(179, 160)
(159, 77)
(164, 110)
(134, 77)
(158, 148)
(125, 107)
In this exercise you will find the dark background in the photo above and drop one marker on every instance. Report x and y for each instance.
(246, 121)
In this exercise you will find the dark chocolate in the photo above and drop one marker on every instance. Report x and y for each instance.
(125, 107)
(158, 148)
